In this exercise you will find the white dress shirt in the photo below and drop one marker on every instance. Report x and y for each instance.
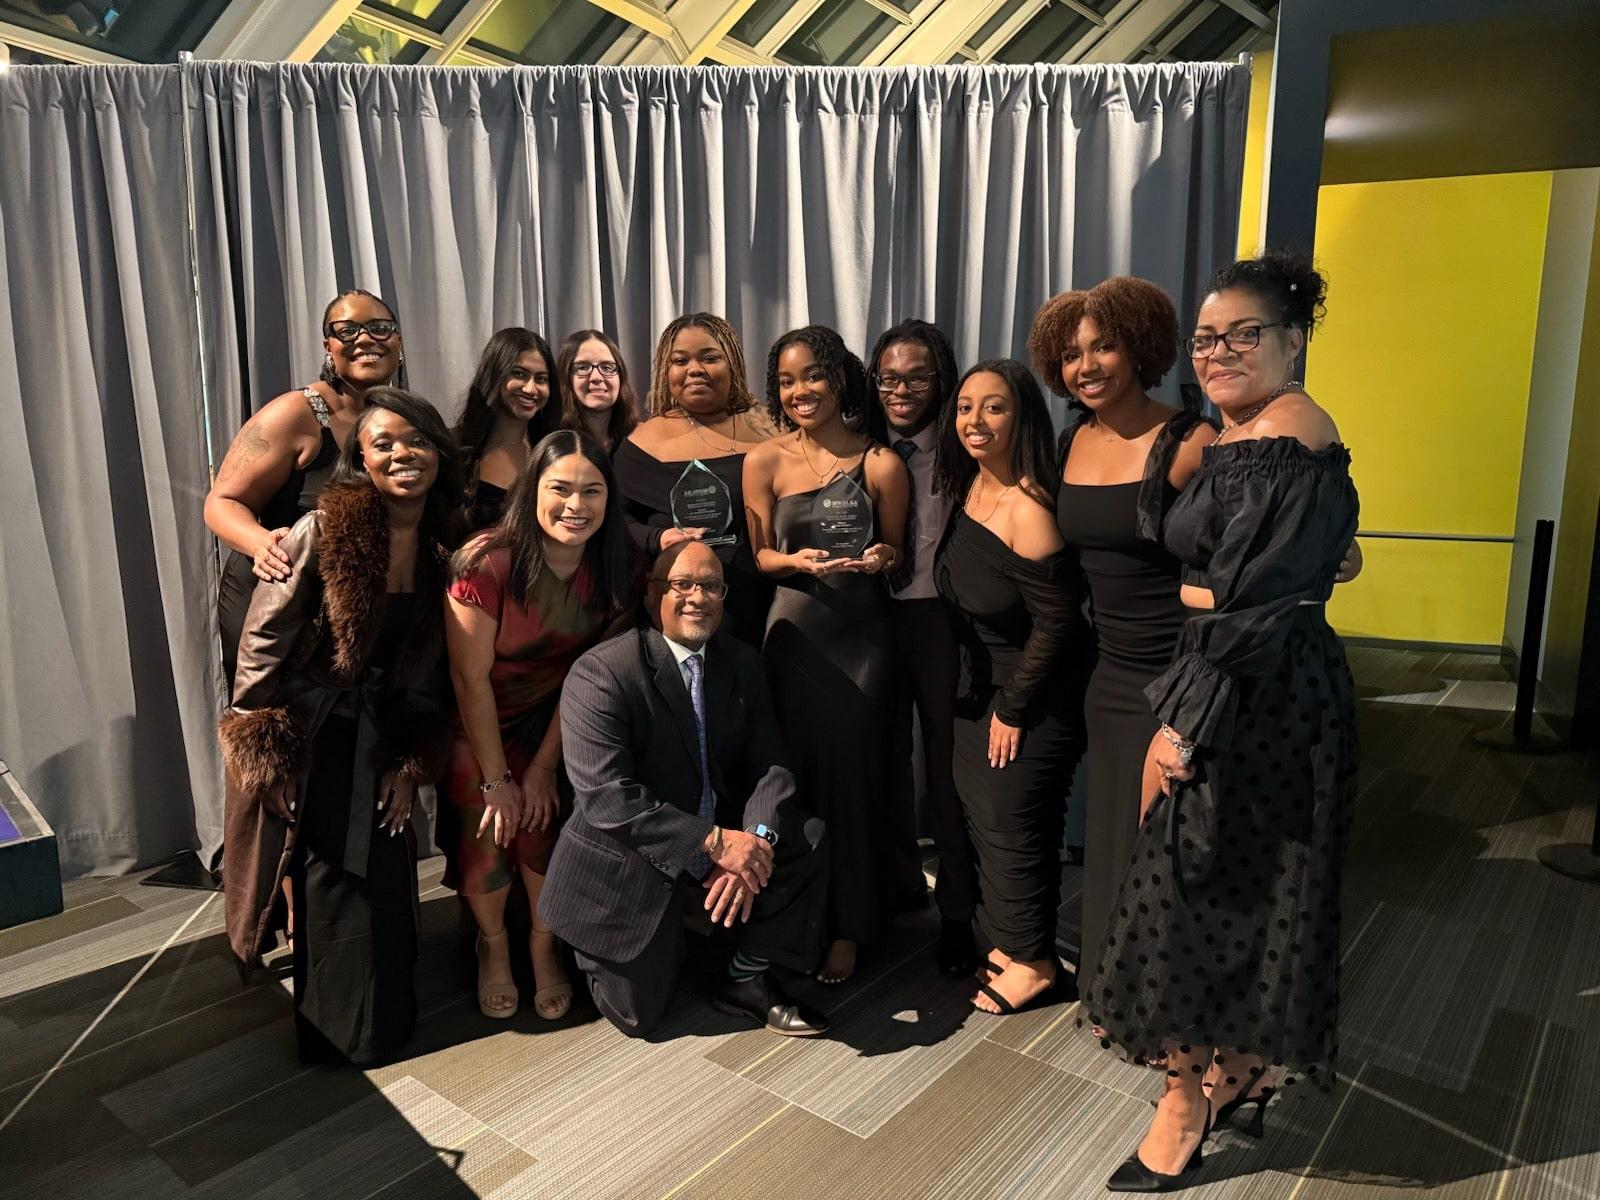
(682, 654)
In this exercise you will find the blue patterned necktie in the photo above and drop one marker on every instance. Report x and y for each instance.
(901, 575)
(696, 666)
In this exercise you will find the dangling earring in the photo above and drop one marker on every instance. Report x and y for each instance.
(327, 364)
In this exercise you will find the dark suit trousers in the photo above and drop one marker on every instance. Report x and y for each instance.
(785, 926)
(928, 663)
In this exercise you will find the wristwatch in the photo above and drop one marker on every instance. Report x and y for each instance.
(767, 833)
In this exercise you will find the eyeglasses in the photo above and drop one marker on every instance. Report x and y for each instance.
(915, 384)
(714, 589)
(349, 331)
(583, 370)
(1246, 337)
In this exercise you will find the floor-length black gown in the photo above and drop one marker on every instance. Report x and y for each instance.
(1023, 641)
(355, 943)
(1225, 930)
(1133, 592)
(830, 667)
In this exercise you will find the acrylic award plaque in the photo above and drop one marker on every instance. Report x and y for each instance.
(702, 501)
(842, 519)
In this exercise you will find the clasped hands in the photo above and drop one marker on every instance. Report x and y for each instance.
(741, 867)
(1166, 761)
(511, 807)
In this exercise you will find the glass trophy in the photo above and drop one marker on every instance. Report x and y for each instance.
(842, 519)
(702, 501)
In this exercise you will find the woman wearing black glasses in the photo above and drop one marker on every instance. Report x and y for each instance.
(284, 456)
(1221, 954)
(596, 397)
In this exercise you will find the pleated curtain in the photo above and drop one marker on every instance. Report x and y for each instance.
(171, 235)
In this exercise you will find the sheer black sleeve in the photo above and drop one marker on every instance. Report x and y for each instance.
(1047, 594)
(1285, 516)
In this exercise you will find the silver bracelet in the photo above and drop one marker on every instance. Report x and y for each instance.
(1183, 746)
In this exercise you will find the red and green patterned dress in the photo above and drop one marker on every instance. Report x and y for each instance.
(534, 648)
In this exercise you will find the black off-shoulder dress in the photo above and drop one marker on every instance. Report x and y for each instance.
(1225, 930)
(1133, 593)
(1023, 642)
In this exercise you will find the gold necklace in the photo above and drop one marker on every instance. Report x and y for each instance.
(822, 476)
(977, 495)
(733, 438)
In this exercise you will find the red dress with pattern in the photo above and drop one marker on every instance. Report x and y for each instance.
(534, 647)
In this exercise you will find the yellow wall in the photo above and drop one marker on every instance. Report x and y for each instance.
(1424, 362)
(1255, 144)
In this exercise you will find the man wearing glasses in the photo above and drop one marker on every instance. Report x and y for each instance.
(683, 802)
(914, 370)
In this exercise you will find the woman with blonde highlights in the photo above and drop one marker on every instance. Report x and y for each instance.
(700, 413)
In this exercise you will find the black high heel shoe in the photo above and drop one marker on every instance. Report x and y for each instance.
(1258, 1122)
(1134, 1176)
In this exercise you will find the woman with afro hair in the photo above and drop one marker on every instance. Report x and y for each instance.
(828, 645)
(1120, 467)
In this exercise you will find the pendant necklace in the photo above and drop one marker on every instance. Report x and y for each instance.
(700, 432)
(994, 508)
(822, 476)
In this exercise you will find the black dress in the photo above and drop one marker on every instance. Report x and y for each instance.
(1226, 928)
(355, 943)
(828, 660)
(293, 500)
(646, 484)
(1133, 590)
(1023, 641)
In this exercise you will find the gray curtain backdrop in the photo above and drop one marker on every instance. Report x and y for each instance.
(474, 199)
(108, 675)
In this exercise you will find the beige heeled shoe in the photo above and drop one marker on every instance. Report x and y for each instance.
(495, 990)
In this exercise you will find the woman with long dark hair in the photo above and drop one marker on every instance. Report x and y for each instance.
(337, 697)
(1121, 465)
(701, 415)
(1221, 954)
(507, 411)
(596, 397)
(1018, 716)
(528, 596)
(827, 650)
(284, 455)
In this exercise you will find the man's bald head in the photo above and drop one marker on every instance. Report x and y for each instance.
(682, 603)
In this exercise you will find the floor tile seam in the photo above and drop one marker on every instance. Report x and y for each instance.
(483, 1125)
(1353, 1083)
(1522, 1113)
(88, 904)
(67, 1054)
(51, 953)
(133, 1037)
(221, 1112)
(727, 1150)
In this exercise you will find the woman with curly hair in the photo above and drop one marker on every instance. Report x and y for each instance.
(507, 411)
(828, 646)
(1120, 467)
(596, 397)
(700, 416)
(1221, 955)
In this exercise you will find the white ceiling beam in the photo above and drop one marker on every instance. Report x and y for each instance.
(1131, 29)
(1008, 29)
(401, 27)
(704, 23)
(56, 47)
(1184, 28)
(1251, 13)
(274, 30)
(937, 31)
(1083, 10)
(787, 26)
(638, 12)
(731, 52)
(453, 41)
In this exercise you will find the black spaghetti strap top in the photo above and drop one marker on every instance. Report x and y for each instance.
(300, 492)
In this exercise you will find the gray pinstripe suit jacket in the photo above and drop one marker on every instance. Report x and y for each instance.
(628, 738)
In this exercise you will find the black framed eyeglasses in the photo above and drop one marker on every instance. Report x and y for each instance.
(915, 384)
(1246, 337)
(714, 589)
(348, 331)
(583, 370)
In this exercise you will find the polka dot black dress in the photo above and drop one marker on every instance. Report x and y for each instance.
(1225, 930)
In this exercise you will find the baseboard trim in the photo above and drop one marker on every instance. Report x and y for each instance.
(1378, 643)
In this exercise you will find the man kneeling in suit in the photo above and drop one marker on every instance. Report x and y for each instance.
(682, 797)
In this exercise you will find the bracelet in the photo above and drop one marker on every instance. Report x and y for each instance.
(1183, 746)
(485, 786)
